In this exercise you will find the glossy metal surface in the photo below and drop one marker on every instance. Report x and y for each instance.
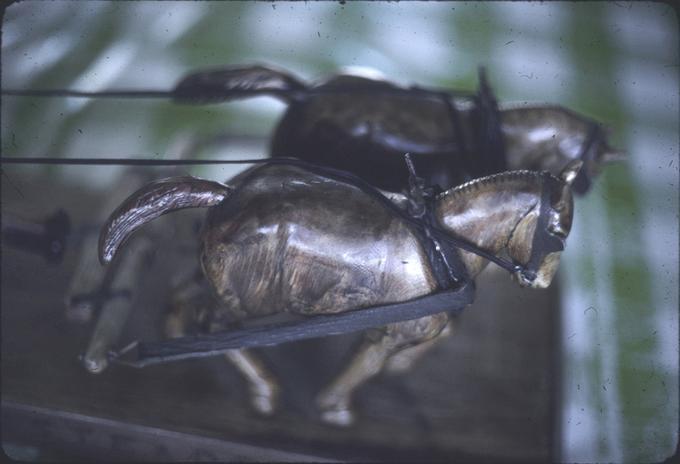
(365, 125)
(222, 84)
(152, 201)
(288, 240)
(502, 212)
(548, 137)
(368, 133)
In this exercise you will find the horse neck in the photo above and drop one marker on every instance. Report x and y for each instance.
(486, 211)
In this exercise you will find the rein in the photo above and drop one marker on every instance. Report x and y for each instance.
(212, 95)
(543, 241)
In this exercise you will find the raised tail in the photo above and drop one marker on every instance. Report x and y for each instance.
(218, 85)
(152, 201)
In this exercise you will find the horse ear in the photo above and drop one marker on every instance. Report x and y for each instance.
(570, 171)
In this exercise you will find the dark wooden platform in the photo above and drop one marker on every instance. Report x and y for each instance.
(488, 393)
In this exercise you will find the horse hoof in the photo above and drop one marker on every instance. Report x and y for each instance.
(265, 402)
(338, 417)
(264, 405)
(335, 408)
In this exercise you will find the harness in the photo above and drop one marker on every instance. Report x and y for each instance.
(593, 140)
(546, 243)
(456, 289)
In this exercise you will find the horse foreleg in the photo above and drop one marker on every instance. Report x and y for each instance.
(263, 388)
(335, 401)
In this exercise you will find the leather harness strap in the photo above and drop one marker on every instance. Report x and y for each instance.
(543, 242)
(592, 141)
(144, 354)
(490, 148)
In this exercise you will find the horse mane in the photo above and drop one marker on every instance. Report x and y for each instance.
(494, 179)
(537, 105)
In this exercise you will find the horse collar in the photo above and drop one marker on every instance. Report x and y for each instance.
(444, 261)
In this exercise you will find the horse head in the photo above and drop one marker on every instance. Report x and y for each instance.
(548, 137)
(524, 215)
(537, 242)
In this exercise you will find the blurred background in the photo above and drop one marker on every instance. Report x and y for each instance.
(616, 62)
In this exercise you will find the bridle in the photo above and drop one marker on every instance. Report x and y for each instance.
(544, 241)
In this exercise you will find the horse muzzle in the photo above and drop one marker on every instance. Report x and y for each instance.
(541, 278)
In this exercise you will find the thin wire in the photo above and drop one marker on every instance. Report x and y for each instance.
(293, 93)
(123, 161)
(123, 93)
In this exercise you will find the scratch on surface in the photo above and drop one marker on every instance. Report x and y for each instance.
(589, 308)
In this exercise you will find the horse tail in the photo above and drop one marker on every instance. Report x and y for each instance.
(219, 85)
(154, 200)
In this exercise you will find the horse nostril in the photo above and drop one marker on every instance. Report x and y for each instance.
(530, 276)
(525, 278)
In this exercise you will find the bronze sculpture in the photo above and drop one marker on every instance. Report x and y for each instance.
(284, 239)
(366, 125)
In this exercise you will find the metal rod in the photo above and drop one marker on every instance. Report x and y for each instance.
(87, 284)
(294, 93)
(116, 309)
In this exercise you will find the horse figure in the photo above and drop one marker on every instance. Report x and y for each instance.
(365, 125)
(283, 239)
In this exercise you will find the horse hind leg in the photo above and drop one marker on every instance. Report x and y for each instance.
(263, 388)
(335, 400)
(192, 309)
